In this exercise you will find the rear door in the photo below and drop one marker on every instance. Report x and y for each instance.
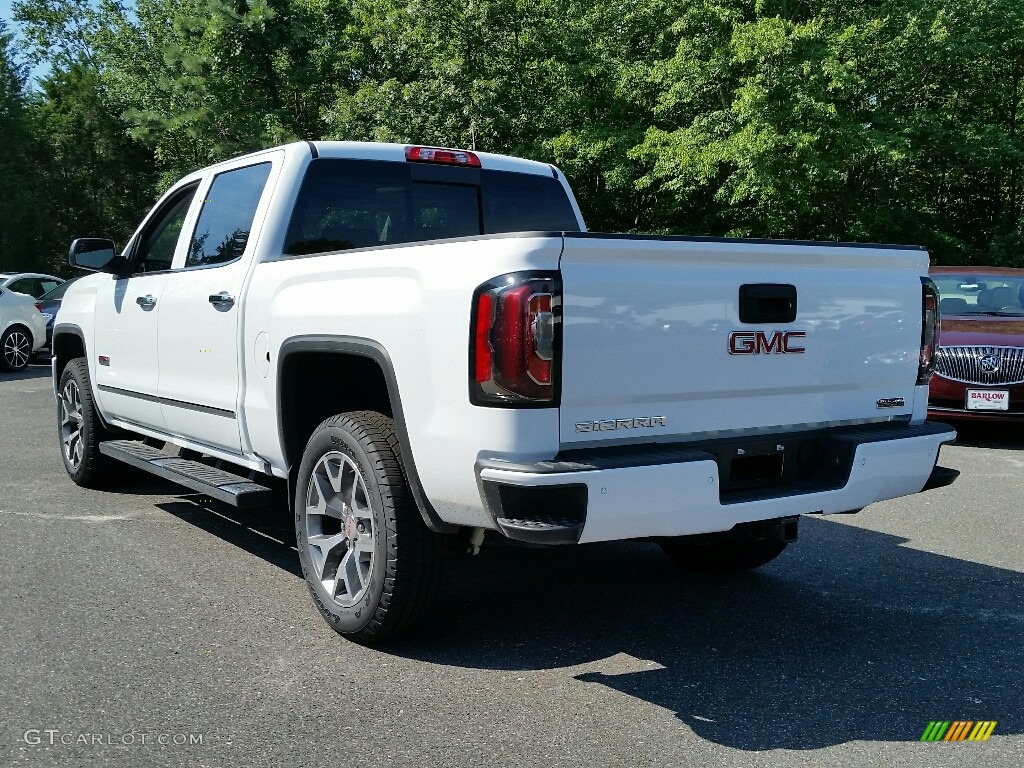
(201, 306)
(654, 347)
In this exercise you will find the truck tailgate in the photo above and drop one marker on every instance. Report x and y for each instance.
(649, 351)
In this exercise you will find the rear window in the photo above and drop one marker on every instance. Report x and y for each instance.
(359, 203)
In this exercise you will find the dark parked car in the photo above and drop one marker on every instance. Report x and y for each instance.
(48, 304)
(979, 372)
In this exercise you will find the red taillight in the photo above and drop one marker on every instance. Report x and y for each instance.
(39, 306)
(929, 330)
(514, 341)
(481, 344)
(440, 155)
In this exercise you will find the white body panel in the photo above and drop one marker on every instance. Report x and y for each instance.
(198, 345)
(126, 335)
(645, 330)
(420, 315)
(653, 339)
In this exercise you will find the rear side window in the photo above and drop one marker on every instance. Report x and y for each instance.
(359, 203)
(27, 285)
(225, 221)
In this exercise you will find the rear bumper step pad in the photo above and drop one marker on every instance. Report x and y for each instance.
(218, 484)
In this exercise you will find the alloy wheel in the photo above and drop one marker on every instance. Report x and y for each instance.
(71, 423)
(17, 350)
(339, 528)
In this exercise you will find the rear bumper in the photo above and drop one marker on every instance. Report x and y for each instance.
(675, 490)
(941, 413)
(947, 400)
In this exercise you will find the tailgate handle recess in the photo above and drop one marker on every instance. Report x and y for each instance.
(767, 303)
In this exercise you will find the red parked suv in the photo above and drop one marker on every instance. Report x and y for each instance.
(979, 372)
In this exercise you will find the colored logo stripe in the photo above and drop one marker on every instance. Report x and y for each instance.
(982, 731)
(935, 730)
(958, 730)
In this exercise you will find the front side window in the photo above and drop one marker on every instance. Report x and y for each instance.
(222, 231)
(160, 237)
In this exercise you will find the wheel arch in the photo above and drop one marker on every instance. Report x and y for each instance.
(306, 368)
(68, 343)
(19, 324)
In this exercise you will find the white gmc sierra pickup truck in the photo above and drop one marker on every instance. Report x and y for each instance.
(427, 345)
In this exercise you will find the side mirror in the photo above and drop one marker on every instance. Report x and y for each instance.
(95, 254)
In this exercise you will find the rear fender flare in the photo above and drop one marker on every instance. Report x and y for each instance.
(354, 345)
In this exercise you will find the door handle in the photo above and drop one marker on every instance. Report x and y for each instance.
(222, 299)
(146, 302)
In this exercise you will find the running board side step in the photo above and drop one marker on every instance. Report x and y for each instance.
(218, 484)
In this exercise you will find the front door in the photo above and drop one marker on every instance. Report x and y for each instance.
(127, 317)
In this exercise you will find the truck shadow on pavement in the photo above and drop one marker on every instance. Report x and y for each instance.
(989, 435)
(266, 532)
(849, 635)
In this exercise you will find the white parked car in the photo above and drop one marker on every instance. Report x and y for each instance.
(33, 284)
(22, 329)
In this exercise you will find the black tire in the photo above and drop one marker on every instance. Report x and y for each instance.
(723, 556)
(386, 579)
(15, 348)
(85, 465)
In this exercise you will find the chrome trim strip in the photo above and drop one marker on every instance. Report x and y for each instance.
(167, 401)
(962, 364)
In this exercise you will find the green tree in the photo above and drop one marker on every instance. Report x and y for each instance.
(202, 80)
(19, 191)
(99, 180)
(892, 120)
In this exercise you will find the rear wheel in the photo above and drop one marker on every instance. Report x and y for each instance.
(371, 564)
(723, 556)
(15, 348)
(79, 428)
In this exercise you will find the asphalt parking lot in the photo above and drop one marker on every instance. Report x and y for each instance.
(139, 618)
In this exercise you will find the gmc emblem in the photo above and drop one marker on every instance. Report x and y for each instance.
(758, 343)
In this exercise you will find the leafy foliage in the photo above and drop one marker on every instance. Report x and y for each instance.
(21, 222)
(889, 120)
